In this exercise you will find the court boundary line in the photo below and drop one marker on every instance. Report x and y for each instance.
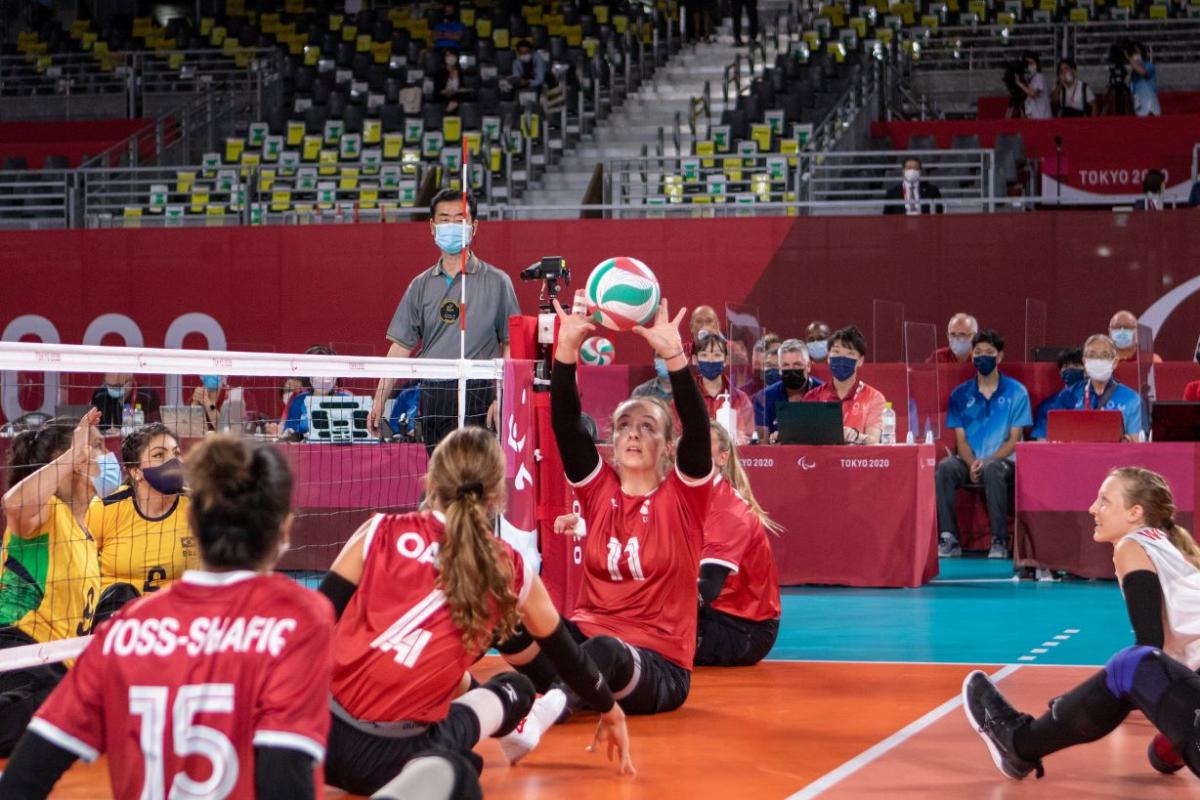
(976, 664)
(881, 748)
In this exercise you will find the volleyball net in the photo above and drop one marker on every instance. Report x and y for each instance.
(84, 535)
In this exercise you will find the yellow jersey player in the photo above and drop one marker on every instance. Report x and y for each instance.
(50, 582)
(142, 530)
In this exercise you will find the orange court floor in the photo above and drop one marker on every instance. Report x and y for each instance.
(811, 729)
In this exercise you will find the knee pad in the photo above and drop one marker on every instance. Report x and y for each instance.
(612, 658)
(1121, 671)
(112, 600)
(516, 695)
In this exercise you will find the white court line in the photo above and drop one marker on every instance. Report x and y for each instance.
(941, 582)
(898, 738)
(975, 664)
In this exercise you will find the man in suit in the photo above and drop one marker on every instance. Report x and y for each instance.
(915, 192)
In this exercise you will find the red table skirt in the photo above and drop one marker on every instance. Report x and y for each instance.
(1057, 483)
(853, 516)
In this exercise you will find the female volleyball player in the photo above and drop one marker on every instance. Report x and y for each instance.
(215, 687)
(636, 614)
(420, 596)
(739, 589)
(142, 530)
(1158, 564)
(50, 579)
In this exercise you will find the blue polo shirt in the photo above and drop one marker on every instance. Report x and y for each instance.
(986, 422)
(1053, 403)
(765, 401)
(1121, 398)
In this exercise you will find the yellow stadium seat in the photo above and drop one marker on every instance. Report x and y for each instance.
(281, 199)
(327, 162)
(372, 131)
(392, 144)
(311, 148)
(348, 179)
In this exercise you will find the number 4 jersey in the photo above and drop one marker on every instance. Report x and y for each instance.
(398, 656)
(180, 686)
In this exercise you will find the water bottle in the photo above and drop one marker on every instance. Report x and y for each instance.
(888, 434)
(127, 420)
(139, 416)
(727, 417)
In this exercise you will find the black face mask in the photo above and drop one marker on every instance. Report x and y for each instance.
(166, 478)
(794, 379)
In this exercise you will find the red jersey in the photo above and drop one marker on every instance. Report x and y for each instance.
(398, 656)
(641, 559)
(862, 408)
(180, 686)
(734, 537)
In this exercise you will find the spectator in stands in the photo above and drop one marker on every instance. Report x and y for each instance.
(210, 395)
(794, 383)
(912, 190)
(1071, 96)
(988, 414)
(959, 333)
(862, 405)
(1143, 81)
(1191, 392)
(1122, 329)
(449, 31)
(295, 420)
(764, 365)
(659, 386)
(119, 390)
(1070, 367)
(448, 85)
(529, 68)
(704, 318)
(428, 315)
(816, 339)
(700, 20)
(1037, 99)
(710, 357)
(1152, 191)
(735, 11)
(1101, 391)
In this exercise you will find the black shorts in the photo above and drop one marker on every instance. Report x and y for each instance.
(22, 691)
(361, 763)
(723, 640)
(437, 409)
(658, 685)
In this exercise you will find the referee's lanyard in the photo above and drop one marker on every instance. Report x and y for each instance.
(1092, 401)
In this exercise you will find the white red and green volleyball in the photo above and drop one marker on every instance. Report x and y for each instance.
(622, 292)
(597, 352)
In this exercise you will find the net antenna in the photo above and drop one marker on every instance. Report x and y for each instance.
(465, 258)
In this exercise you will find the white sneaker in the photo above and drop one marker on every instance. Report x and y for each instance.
(529, 731)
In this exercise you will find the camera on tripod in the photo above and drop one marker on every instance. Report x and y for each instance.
(550, 270)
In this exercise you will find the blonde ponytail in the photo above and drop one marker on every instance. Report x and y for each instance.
(466, 477)
(740, 481)
(1185, 543)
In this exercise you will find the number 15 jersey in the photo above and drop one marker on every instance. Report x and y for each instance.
(180, 686)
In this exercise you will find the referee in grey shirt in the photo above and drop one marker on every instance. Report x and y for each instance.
(428, 316)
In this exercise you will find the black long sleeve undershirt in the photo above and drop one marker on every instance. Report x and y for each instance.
(1144, 602)
(578, 451)
(711, 582)
(282, 772)
(35, 766)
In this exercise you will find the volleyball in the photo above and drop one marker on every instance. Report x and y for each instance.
(597, 352)
(622, 292)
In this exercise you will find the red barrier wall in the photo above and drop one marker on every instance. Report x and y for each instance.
(285, 288)
(36, 140)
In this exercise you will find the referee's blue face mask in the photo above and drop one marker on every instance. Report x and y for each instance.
(452, 237)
